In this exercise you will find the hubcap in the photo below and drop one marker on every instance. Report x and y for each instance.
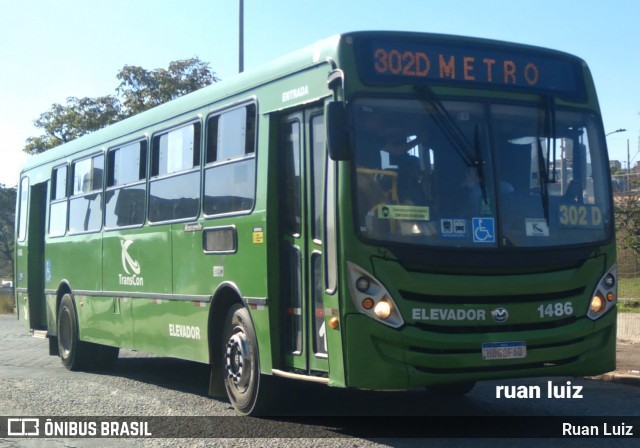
(238, 360)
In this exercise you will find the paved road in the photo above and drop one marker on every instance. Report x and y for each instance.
(35, 384)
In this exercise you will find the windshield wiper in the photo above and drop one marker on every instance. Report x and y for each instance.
(471, 154)
(451, 130)
(544, 181)
(543, 162)
(479, 163)
(550, 113)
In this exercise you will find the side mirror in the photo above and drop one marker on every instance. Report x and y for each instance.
(337, 131)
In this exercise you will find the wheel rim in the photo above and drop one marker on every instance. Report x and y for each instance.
(238, 360)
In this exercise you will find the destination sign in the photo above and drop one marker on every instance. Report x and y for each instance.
(402, 62)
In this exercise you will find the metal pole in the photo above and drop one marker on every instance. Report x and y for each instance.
(628, 168)
(241, 38)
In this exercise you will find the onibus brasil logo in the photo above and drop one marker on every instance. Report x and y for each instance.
(130, 266)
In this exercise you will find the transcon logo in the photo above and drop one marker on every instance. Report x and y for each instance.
(130, 266)
(127, 260)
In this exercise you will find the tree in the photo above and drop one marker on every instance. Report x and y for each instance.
(78, 117)
(138, 91)
(627, 219)
(7, 213)
(141, 89)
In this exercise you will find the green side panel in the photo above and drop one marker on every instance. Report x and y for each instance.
(52, 314)
(22, 308)
(105, 320)
(260, 319)
(137, 261)
(77, 260)
(192, 271)
(175, 328)
(334, 342)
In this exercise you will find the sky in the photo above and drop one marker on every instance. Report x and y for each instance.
(54, 49)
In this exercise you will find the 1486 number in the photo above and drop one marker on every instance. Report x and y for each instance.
(556, 310)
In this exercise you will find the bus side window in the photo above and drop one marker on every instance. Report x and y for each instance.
(85, 205)
(58, 201)
(126, 189)
(229, 179)
(175, 184)
(24, 204)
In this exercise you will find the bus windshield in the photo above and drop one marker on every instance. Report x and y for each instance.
(479, 174)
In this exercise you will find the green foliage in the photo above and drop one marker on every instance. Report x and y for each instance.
(7, 214)
(627, 218)
(7, 303)
(138, 91)
(78, 117)
(142, 89)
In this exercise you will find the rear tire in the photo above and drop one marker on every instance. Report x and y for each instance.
(249, 391)
(74, 353)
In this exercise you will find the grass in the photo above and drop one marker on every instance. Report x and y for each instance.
(6, 302)
(629, 288)
(629, 306)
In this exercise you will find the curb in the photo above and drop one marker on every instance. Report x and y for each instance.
(618, 377)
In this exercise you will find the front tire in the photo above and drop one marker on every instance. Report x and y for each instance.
(248, 390)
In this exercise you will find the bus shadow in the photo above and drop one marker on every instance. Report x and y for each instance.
(298, 399)
(170, 373)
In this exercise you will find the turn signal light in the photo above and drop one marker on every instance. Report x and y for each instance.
(368, 303)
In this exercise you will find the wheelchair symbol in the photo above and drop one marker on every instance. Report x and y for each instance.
(484, 230)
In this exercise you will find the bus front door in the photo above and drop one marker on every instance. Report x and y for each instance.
(300, 198)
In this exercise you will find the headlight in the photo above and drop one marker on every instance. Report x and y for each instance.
(371, 298)
(605, 296)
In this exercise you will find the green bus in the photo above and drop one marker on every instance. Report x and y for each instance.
(380, 210)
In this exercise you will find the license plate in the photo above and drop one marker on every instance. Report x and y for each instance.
(503, 350)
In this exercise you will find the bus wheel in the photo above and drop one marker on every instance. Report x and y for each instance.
(451, 390)
(246, 388)
(73, 352)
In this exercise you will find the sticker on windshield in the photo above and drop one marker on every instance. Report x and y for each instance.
(453, 228)
(410, 212)
(484, 230)
(536, 227)
(580, 216)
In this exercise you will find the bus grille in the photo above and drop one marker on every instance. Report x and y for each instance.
(472, 329)
(490, 299)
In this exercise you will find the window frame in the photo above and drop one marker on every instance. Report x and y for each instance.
(100, 191)
(64, 199)
(143, 147)
(156, 178)
(212, 165)
(23, 209)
